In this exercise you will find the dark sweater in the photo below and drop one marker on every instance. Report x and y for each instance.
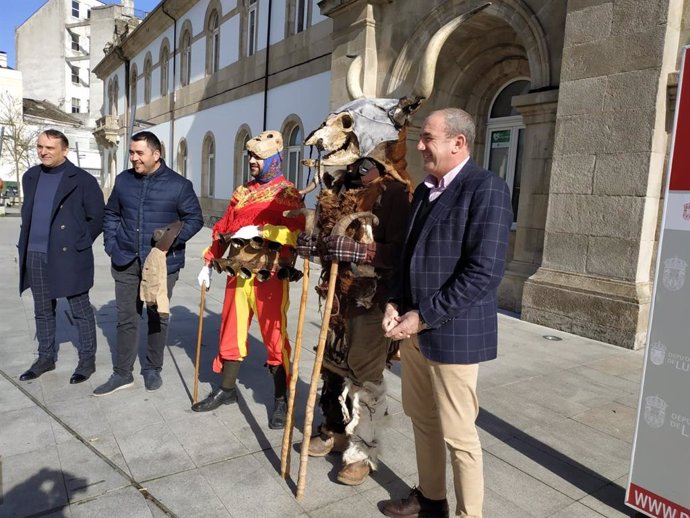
(48, 182)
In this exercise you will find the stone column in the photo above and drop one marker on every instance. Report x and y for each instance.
(608, 164)
(354, 34)
(538, 112)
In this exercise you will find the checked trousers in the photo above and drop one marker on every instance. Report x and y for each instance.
(44, 312)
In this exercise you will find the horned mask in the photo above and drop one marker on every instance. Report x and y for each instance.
(375, 128)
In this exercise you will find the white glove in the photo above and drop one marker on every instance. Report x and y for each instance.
(205, 277)
(247, 232)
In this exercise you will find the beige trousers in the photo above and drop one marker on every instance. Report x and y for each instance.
(441, 400)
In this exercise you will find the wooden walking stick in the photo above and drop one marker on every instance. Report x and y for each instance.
(309, 215)
(311, 399)
(198, 342)
(289, 420)
(338, 230)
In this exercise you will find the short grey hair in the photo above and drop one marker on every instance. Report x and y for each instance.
(459, 122)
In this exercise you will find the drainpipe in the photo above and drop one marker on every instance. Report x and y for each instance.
(173, 93)
(268, 46)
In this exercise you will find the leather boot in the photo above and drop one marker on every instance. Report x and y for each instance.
(279, 415)
(279, 380)
(216, 398)
(277, 420)
(327, 442)
(355, 473)
(416, 504)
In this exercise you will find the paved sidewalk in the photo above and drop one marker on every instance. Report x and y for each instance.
(556, 422)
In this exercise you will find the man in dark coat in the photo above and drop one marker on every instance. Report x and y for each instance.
(444, 310)
(145, 198)
(61, 216)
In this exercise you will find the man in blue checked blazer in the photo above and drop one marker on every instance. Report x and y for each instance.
(444, 311)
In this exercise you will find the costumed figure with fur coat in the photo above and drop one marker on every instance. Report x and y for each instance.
(353, 396)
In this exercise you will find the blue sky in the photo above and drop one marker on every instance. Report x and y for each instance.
(15, 12)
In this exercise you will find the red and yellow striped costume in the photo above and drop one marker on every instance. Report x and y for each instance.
(261, 205)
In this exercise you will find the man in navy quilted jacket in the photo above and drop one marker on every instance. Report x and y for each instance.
(146, 197)
(444, 311)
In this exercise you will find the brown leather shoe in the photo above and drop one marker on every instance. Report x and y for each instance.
(327, 442)
(416, 505)
(354, 474)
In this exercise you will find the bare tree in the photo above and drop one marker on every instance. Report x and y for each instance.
(19, 138)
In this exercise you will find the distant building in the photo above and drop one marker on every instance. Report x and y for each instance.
(33, 117)
(572, 102)
(11, 93)
(43, 115)
(57, 48)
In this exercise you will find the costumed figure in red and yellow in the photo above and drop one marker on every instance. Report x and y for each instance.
(254, 221)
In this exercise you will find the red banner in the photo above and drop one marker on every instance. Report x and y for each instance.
(680, 161)
(654, 505)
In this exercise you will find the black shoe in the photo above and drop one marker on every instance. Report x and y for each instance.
(277, 420)
(152, 380)
(84, 370)
(415, 505)
(216, 398)
(39, 367)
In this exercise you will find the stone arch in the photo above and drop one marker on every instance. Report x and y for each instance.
(208, 165)
(513, 13)
(243, 134)
(213, 16)
(133, 99)
(148, 73)
(213, 5)
(476, 82)
(181, 162)
(164, 66)
(185, 51)
(116, 95)
(293, 151)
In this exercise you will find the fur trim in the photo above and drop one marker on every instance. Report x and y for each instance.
(368, 406)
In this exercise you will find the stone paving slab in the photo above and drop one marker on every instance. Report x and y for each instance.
(556, 422)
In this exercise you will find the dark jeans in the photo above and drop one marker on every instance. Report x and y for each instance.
(44, 312)
(129, 308)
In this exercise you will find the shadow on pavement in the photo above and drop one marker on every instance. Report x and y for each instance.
(42, 494)
(607, 492)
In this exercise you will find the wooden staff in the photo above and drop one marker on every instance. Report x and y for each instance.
(198, 342)
(311, 399)
(309, 222)
(338, 230)
(294, 372)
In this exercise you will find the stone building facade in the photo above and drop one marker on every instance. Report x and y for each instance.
(57, 48)
(207, 75)
(573, 102)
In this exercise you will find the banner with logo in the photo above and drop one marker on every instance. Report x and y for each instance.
(660, 468)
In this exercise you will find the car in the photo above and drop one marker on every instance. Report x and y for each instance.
(10, 196)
